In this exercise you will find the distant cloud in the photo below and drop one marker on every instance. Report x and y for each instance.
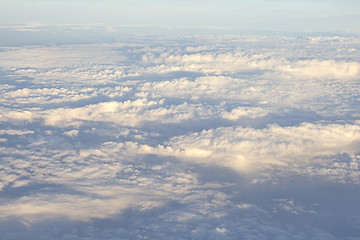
(72, 133)
(236, 113)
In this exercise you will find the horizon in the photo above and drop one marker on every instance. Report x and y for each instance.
(179, 119)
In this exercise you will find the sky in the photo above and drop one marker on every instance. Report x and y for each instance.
(179, 120)
(261, 15)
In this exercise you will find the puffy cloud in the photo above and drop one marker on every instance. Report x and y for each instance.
(72, 133)
(283, 149)
(239, 62)
(15, 132)
(127, 113)
(73, 207)
(238, 112)
(327, 69)
(211, 87)
(206, 138)
(45, 96)
(14, 116)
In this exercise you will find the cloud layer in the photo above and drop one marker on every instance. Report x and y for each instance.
(222, 137)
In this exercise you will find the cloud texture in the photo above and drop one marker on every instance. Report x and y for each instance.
(227, 137)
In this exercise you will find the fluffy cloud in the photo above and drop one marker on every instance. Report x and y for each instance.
(15, 132)
(286, 149)
(220, 137)
(327, 69)
(45, 96)
(236, 113)
(72, 133)
(139, 111)
(244, 62)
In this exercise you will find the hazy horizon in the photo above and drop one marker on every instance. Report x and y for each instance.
(179, 119)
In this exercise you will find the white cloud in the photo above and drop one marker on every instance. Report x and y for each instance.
(110, 200)
(252, 112)
(219, 63)
(15, 132)
(72, 133)
(256, 151)
(127, 113)
(154, 138)
(326, 69)
(46, 96)
(14, 116)
(212, 87)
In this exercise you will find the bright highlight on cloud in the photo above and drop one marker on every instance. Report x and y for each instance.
(226, 137)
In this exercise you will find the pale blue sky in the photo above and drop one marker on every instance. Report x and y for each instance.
(283, 15)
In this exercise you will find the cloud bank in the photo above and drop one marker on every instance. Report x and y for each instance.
(222, 137)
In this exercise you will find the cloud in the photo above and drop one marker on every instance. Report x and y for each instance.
(138, 112)
(275, 148)
(15, 132)
(72, 133)
(326, 69)
(76, 208)
(242, 62)
(217, 137)
(238, 112)
(46, 96)
(109, 201)
(16, 115)
(126, 113)
(211, 87)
